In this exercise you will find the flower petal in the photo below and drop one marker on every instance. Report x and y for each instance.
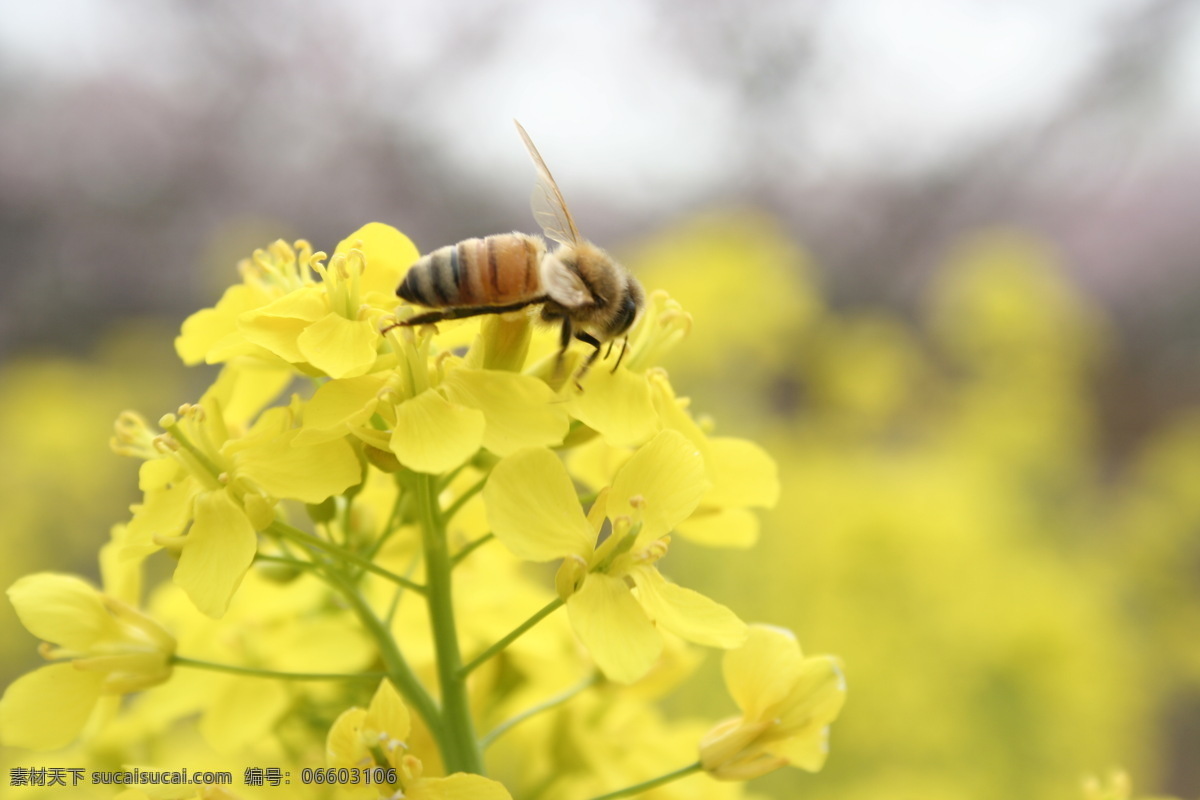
(339, 347)
(614, 628)
(217, 552)
(389, 254)
(520, 411)
(244, 387)
(277, 325)
(62, 609)
(159, 473)
(806, 751)
(617, 405)
(204, 330)
(594, 463)
(162, 513)
(47, 708)
(339, 404)
(309, 472)
(344, 745)
(433, 435)
(687, 613)
(387, 713)
(668, 476)
(533, 509)
(760, 673)
(817, 696)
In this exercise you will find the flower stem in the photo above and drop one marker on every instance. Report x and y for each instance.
(461, 752)
(545, 705)
(469, 548)
(283, 530)
(398, 670)
(512, 636)
(630, 791)
(462, 499)
(184, 661)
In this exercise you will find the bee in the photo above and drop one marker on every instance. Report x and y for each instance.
(578, 285)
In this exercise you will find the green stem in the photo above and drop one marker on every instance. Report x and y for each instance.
(545, 705)
(184, 661)
(462, 499)
(393, 524)
(462, 753)
(265, 558)
(513, 636)
(448, 478)
(630, 791)
(282, 529)
(398, 670)
(469, 548)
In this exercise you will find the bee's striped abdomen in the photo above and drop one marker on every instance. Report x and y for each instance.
(495, 271)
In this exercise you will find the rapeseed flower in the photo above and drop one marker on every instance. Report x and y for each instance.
(787, 703)
(101, 646)
(281, 313)
(209, 489)
(619, 403)
(379, 495)
(741, 475)
(360, 735)
(534, 510)
(436, 419)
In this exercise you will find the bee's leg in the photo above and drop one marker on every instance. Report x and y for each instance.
(434, 317)
(587, 338)
(608, 352)
(621, 355)
(564, 340)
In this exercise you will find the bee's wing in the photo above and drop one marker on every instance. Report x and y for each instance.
(564, 286)
(549, 208)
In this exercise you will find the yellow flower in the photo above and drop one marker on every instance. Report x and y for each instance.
(439, 418)
(384, 727)
(200, 477)
(787, 702)
(619, 404)
(101, 646)
(741, 475)
(533, 509)
(211, 334)
(328, 327)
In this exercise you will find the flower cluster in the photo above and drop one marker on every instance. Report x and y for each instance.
(354, 500)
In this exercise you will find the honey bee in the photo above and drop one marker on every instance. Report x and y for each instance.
(578, 285)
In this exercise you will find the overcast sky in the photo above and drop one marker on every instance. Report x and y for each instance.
(893, 86)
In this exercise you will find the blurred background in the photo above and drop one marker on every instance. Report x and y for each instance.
(943, 257)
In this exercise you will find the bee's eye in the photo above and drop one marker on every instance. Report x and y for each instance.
(626, 315)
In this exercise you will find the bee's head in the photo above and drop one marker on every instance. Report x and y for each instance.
(630, 305)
